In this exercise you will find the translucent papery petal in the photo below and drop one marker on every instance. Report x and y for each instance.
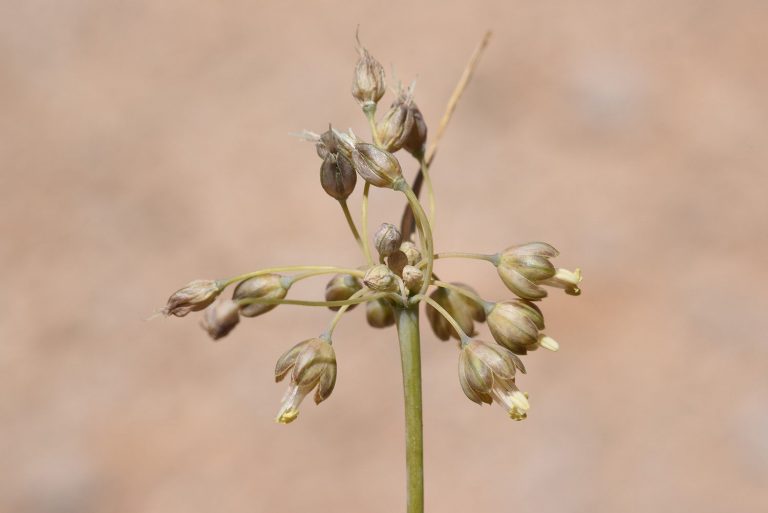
(533, 248)
(475, 378)
(474, 395)
(289, 408)
(507, 395)
(510, 325)
(532, 311)
(312, 363)
(519, 284)
(286, 362)
(499, 359)
(327, 382)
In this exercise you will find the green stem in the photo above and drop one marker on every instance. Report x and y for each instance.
(351, 223)
(410, 356)
(476, 256)
(425, 231)
(302, 302)
(322, 269)
(364, 223)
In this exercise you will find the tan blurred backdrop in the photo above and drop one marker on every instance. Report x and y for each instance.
(146, 143)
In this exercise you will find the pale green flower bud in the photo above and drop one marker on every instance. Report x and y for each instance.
(381, 279)
(340, 288)
(413, 278)
(376, 166)
(220, 318)
(312, 363)
(265, 286)
(516, 325)
(387, 239)
(194, 296)
(523, 267)
(411, 252)
(379, 313)
(487, 374)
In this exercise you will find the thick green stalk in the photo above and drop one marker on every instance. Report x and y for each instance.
(410, 355)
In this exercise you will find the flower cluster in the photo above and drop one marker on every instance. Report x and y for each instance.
(399, 276)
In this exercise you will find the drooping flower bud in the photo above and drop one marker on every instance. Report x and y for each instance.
(265, 286)
(220, 318)
(368, 85)
(516, 325)
(463, 309)
(376, 166)
(194, 296)
(381, 279)
(523, 267)
(312, 363)
(411, 252)
(487, 374)
(340, 288)
(387, 239)
(379, 313)
(413, 278)
(337, 176)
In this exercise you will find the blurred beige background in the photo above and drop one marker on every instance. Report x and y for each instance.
(144, 144)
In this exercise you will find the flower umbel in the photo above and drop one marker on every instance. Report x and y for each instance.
(312, 364)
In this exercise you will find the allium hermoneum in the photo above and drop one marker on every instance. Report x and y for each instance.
(398, 275)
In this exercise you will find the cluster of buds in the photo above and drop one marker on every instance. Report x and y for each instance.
(400, 278)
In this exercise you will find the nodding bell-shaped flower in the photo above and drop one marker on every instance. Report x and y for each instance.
(194, 296)
(522, 268)
(368, 85)
(487, 374)
(220, 318)
(376, 166)
(311, 363)
(516, 325)
(342, 287)
(265, 286)
(463, 309)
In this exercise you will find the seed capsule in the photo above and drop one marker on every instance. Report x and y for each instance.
(379, 313)
(376, 166)
(387, 239)
(312, 363)
(194, 296)
(381, 279)
(220, 318)
(340, 288)
(413, 278)
(266, 286)
(368, 85)
(337, 176)
(411, 251)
